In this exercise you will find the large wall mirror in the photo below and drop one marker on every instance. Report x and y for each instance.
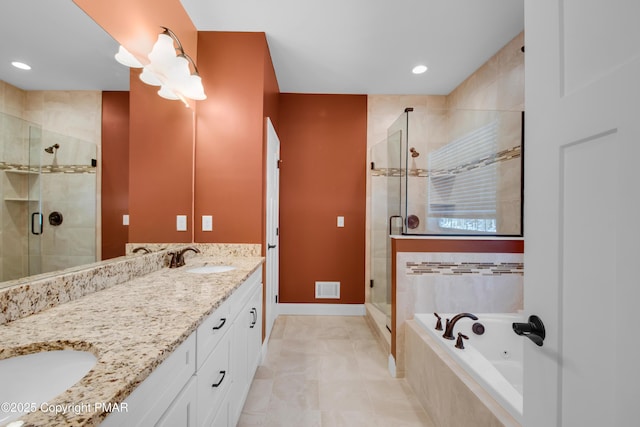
(50, 135)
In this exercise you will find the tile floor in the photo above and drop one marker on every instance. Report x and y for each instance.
(328, 371)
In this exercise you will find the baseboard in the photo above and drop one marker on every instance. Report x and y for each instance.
(321, 309)
(392, 366)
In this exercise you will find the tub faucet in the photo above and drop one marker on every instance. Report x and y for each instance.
(448, 331)
(177, 258)
(141, 249)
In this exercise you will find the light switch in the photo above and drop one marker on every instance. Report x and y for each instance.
(340, 221)
(181, 222)
(207, 223)
(125, 219)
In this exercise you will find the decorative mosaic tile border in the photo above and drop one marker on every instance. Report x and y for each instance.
(69, 169)
(460, 268)
(48, 168)
(500, 156)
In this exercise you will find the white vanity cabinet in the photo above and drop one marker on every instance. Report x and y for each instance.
(246, 350)
(151, 399)
(205, 381)
(246, 315)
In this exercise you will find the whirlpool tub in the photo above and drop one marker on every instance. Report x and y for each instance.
(493, 359)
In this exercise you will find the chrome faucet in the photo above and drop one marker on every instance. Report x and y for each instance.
(141, 249)
(448, 331)
(177, 258)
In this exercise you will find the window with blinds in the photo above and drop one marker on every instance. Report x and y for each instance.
(463, 182)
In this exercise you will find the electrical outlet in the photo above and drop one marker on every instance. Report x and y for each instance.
(340, 221)
(207, 223)
(181, 223)
(125, 219)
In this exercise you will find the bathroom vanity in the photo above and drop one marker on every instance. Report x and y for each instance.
(173, 347)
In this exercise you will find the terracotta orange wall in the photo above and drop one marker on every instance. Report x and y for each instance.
(115, 172)
(323, 148)
(161, 131)
(161, 164)
(240, 84)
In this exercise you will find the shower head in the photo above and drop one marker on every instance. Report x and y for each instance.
(51, 149)
(413, 151)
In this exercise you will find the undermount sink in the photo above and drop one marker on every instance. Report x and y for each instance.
(208, 269)
(39, 377)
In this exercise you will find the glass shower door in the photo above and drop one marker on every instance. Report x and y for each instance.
(387, 199)
(35, 228)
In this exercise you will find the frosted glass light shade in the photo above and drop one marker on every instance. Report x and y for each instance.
(179, 70)
(167, 93)
(126, 58)
(194, 89)
(149, 77)
(163, 53)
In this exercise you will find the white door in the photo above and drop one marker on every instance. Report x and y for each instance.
(273, 249)
(582, 212)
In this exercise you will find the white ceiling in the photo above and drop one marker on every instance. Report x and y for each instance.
(332, 46)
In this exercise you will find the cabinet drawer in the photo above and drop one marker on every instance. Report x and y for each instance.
(213, 381)
(211, 331)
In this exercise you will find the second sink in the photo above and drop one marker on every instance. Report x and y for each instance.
(38, 377)
(208, 269)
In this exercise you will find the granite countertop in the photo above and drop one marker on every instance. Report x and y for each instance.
(131, 328)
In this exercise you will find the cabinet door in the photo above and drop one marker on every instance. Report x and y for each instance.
(254, 345)
(182, 411)
(222, 417)
(239, 364)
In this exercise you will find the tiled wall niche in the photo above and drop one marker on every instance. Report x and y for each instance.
(68, 183)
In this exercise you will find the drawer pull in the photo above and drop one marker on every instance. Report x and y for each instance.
(254, 313)
(221, 379)
(222, 322)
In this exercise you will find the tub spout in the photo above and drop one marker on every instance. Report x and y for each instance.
(448, 332)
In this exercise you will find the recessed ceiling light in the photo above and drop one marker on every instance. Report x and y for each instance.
(21, 65)
(419, 69)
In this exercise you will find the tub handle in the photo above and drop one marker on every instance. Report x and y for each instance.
(534, 329)
(439, 322)
(460, 340)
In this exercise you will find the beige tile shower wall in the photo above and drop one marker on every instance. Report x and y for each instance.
(76, 114)
(496, 85)
(13, 215)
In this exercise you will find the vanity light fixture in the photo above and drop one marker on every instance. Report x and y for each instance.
(169, 67)
(126, 58)
(419, 69)
(21, 65)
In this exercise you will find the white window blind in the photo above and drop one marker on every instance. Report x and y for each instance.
(463, 181)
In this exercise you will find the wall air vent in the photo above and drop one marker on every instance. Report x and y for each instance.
(327, 290)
